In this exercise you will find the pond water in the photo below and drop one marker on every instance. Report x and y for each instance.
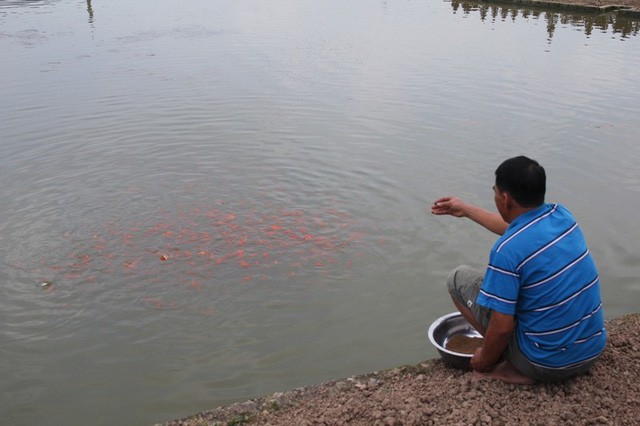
(208, 201)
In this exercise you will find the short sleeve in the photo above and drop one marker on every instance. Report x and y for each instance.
(500, 285)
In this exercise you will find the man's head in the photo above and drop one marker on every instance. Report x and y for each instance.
(522, 180)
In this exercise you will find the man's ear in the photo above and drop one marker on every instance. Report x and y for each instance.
(504, 199)
(508, 200)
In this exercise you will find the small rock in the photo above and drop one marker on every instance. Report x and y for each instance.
(429, 411)
(342, 385)
(390, 421)
(411, 400)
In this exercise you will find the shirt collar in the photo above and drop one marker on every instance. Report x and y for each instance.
(527, 217)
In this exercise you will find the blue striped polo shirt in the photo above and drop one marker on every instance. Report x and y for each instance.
(541, 272)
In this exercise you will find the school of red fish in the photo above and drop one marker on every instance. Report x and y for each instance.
(197, 247)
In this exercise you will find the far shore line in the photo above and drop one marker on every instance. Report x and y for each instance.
(629, 8)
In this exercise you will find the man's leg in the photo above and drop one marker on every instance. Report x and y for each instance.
(469, 316)
(464, 285)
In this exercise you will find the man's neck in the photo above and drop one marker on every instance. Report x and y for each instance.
(517, 211)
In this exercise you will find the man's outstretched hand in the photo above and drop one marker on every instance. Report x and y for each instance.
(453, 206)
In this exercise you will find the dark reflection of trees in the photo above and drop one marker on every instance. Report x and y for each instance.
(90, 11)
(625, 26)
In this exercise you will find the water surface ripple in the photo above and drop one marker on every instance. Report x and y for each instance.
(209, 202)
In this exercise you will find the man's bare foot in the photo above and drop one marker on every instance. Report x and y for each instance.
(507, 373)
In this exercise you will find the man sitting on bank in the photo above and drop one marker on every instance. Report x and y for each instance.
(538, 305)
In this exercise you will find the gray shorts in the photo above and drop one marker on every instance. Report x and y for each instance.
(464, 286)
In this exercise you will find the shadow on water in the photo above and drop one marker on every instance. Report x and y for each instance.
(622, 25)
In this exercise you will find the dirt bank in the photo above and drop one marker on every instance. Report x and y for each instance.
(431, 393)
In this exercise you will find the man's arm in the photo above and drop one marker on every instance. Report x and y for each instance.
(454, 206)
(496, 339)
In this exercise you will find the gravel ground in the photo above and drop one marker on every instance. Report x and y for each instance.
(431, 393)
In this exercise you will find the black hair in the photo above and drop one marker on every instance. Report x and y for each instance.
(524, 179)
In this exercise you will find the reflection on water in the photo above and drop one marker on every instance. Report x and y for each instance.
(14, 4)
(25, 3)
(624, 26)
(90, 11)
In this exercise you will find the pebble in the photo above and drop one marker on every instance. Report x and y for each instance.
(429, 410)
(411, 400)
(390, 421)
(342, 385)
